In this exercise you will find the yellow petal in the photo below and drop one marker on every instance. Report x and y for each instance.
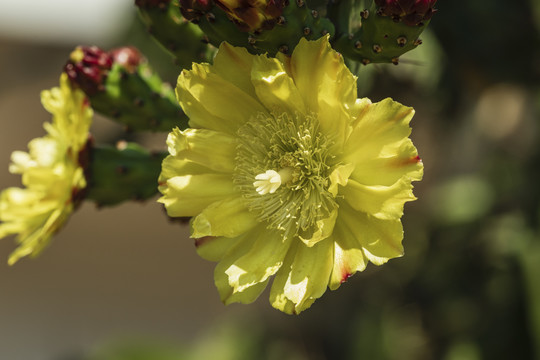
(323, 229)
(209, 148)
(249, 263)
(377, 129)
(325, 83)
(404, 162)
(382, 202)
(380, 240)
(348, 256)
(228, 217)
(303, 278)
(274, 87)
(233, 64)
(213, 103)
(188, 195)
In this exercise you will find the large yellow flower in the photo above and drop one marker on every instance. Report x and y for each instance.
(50, 172)
(287, 173)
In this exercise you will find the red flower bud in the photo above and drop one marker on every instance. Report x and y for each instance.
(88, 67)
(127, 56)
(411, 12)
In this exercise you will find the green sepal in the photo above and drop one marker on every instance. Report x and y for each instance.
(123, 173)
(139, 100)
(184, 40)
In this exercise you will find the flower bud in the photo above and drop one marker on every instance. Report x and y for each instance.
(411, 12)
(88, 67)
(252, 15)
(128, 57)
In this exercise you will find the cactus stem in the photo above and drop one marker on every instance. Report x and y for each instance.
(307, 31)
(205, 40)
(284, 49)
(358, 44)
(401, 41)
(417, 42)
(314, 13)
(364, 13)
(395, 61)
(116, 114)
(377, 48)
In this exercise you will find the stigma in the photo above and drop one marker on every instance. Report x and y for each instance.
(269, 181)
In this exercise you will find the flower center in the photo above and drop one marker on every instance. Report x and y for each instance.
(282, 169)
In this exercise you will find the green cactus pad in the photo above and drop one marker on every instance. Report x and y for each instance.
(139, 100)
(297, 21)
(123, 173)
(181, 38)
(379, 39)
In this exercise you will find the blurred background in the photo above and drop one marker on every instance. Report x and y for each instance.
(125, 283)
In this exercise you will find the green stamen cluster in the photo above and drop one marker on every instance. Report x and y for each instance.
(282, 142)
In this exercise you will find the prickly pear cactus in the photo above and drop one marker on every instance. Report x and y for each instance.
(384, 34)
(259, 26)
(122, 173)
(296, 21)
(165, 23)
(121, 85)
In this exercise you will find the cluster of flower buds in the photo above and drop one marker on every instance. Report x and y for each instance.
(88, 67)
(411, 12)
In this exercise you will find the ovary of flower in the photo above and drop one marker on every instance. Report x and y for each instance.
(270, 181)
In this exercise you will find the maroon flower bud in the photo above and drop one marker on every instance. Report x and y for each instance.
(127, 56)
(411, 12)
(192, 10)
(88, 67)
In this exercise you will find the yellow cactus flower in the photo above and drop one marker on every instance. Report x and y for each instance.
(287, 174)
(50, 173)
